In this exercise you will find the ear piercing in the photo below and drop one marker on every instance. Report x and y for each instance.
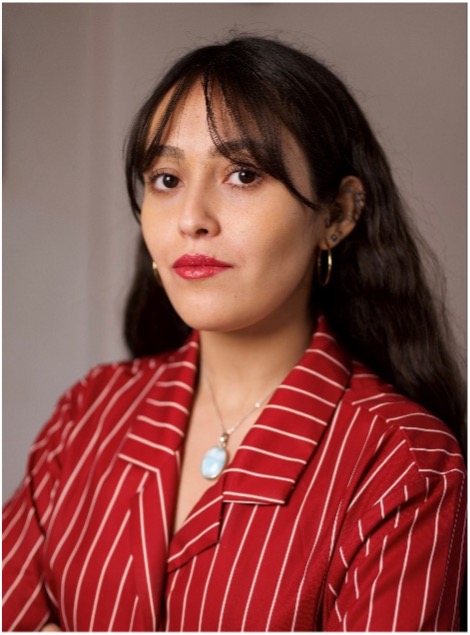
(333, 238)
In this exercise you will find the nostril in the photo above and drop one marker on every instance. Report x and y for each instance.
(202, 231)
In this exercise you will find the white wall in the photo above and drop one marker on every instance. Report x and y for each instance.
(74, 74)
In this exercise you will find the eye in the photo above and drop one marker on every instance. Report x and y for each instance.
(163, 181)
(243, 176)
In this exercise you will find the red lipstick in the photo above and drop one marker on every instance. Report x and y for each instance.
(199, 266)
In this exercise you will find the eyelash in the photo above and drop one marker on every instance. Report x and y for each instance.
(234, 169)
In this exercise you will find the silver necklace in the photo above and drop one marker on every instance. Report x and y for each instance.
(216, 457)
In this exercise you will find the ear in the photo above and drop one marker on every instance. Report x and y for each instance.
(342, 215)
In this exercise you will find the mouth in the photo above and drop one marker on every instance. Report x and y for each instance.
(199, 266)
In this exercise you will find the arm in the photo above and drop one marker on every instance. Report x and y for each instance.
(400, 567)
(26, 603)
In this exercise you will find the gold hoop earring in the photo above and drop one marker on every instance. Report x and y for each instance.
(156, 273)
(324, 281)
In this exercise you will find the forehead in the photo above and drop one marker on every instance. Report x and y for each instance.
(191, 112)
(191, 116)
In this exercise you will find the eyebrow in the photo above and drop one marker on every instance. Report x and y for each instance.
(232, 146)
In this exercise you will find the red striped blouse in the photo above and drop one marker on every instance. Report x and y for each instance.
(343, 509)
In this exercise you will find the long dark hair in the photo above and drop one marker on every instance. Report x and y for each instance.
(378, 301)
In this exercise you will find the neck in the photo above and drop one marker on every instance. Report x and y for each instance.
(244, 367)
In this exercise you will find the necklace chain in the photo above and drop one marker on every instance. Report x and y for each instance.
(226, 433)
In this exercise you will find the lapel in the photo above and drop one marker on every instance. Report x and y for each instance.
(153, 446)
(273, 455)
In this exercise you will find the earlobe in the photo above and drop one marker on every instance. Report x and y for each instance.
(344, 212)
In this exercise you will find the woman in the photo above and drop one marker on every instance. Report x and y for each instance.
(281, 453)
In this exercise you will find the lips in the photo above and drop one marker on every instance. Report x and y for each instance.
(199, 266)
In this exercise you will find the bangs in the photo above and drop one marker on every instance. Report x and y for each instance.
(245, 119)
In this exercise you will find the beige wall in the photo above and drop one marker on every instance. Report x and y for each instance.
(74, 75)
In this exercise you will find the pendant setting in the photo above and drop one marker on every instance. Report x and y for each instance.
(215, 459)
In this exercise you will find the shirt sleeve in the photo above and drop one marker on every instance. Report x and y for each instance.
(27, 605)
(400, 566)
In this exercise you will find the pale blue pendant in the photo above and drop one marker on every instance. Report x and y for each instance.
(214, 462)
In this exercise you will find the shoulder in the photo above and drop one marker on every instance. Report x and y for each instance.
(402, 427)
(128, 375)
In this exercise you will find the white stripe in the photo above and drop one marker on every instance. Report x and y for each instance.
(23, 570)
(430, 430)
(361, 535)
(374, 584)
(118, 597)
(92, 548)
(403, 571)
(209, 575)
(45, 620)
(356, 402)
(258, 566)
(77, 543)
(258, 426)
(19, 541)
(181, 384)
(51, 595)
(147, 466)
(91, 446)
(171, 404)
(105, 568)
(151, 444)
(431, 558)
(136, 602)
(12, 522)
(272, 454)
(168, 626)
(356, 584)
(234, 566)
(188, 544)
(146, 562)
(253, 496)
(386, 404)
(185, 597)
(199, 511)
(338, 454)
(41, 486)
(462, 562)
(304, 503)
(27, 605)
(161, 498)
(320, 376)
(257, 474)
(57, 450)
(307, 394)
(332, 359)
(298, 413)
(427, 415)
(397, 517)
(437, 450)
(39, 463)
(394, 484)
(179, 365)
(160, 424)
(374, 474)
(455, 469)
(340, 619)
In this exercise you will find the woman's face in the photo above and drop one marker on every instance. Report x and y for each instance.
(235, 249)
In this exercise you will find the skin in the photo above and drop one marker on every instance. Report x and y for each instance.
(253, 318)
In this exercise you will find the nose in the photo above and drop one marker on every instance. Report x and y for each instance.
(198, 216)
